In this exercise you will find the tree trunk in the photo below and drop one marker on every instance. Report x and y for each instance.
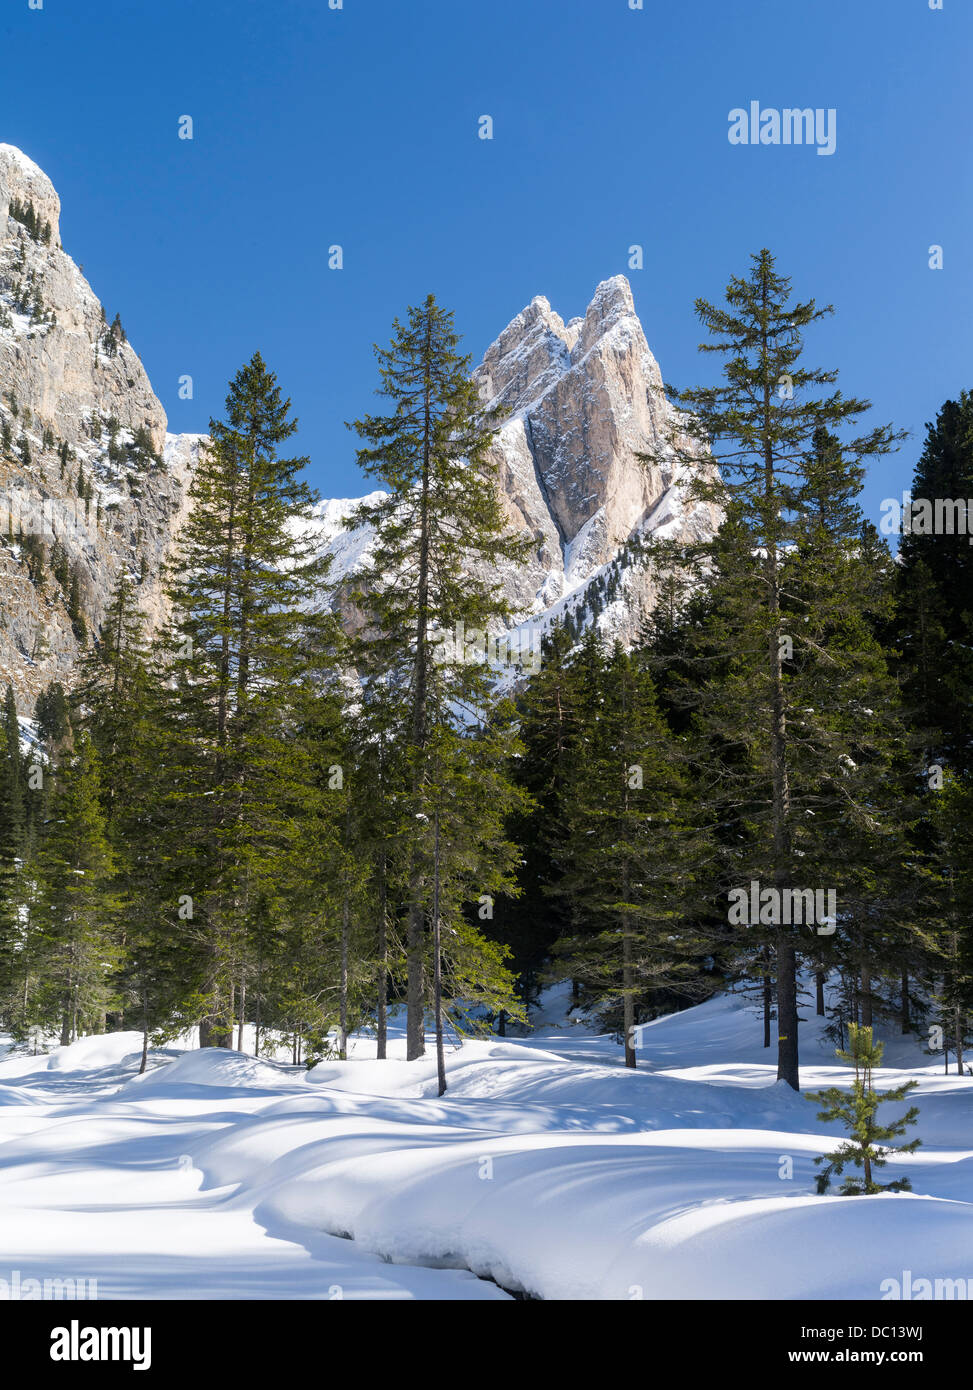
(415, 987)
(415, 975)
(628, 1000)
(242, 1015)
(787, 1050)
(145, 1033)
(438, 967)
(866, 997)
(904, 1010)
(343, 984)
(381, 1021)
(767, 996)
(819, 993)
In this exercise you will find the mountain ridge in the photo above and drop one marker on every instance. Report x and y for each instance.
(88, 464)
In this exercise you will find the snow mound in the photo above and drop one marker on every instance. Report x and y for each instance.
(100, 1050)
(363, 1075)
(10, 1096)
(211, 1066)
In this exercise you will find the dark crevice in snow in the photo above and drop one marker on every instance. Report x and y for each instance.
(450, 1262)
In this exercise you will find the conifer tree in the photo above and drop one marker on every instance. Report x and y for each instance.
(12, 808)
(247, 637)
(12, 841)
(869, 1147)
(75, 906)
(763, 428)
(549, 724)
(934, 622)
(629, 850)
(437, 530)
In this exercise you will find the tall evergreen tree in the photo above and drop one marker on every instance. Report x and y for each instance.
(12, 841)
(75, 905)
(248, 634)
(934, 622)
(440, 527)
(629, 851)
(763, 428)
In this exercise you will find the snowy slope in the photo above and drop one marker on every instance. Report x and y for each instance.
(547, 1168)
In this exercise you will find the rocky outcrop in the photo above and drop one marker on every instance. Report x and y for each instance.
(91, 483)
(582, 402)
(87, 470)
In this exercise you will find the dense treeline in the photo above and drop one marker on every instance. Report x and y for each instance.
(261, 817)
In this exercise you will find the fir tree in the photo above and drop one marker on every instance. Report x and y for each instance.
(247, 637)
(934, 622)
(628, 852)
(550, 721)
(869, 1147)
(440, 525)
(74, 869)
(775, 470)
(12, 838)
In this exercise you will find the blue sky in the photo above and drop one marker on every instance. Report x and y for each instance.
(358, 126)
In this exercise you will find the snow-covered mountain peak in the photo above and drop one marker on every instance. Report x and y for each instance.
(580, 402)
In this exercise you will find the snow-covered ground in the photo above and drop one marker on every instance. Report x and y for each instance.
(547, 1168)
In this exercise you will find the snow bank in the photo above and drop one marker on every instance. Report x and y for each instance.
(100, 1050)
(547, 1167)
(210, 1066)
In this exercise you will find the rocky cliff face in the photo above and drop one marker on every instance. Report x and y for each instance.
(91, 483)
(89, 478)
(582, 401)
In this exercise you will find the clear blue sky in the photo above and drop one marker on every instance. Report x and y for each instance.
(359, 126)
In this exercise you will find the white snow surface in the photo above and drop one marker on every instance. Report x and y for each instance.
(546, 1169)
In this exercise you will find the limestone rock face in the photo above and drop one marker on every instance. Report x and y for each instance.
(85, 461)
(581, 400)
(586, 399)
(90, 478)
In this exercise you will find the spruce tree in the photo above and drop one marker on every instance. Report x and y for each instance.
(869, 1147)
(549, 724)
(629, 851)
(75, 905)
(247, 637)
(438, 529)
(12, 843)
(934, 622)
(762, 427)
